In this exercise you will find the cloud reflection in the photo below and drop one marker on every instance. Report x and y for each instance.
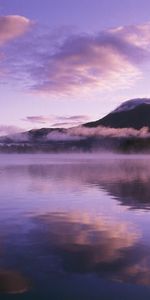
(12, 282)
(100, 246)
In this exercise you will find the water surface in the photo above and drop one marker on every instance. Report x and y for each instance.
(74, 227)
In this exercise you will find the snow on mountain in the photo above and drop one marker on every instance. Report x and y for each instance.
(131, 104)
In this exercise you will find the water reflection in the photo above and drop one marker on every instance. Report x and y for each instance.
(126, 180)
(108, 249)
(12, 282)
(62, 218)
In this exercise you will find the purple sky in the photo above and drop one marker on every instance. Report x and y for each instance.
(66, 61)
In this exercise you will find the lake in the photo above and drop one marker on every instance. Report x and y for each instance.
(74, 227)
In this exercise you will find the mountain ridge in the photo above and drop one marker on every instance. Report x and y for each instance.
(136, 118)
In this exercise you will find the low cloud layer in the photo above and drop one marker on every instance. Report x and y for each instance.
(76, 132)
(80, 133)
(73, 63)
(109, 132)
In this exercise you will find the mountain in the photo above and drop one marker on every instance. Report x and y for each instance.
(107, 134)
(130, 114)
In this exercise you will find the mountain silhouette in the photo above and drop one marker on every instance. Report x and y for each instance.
(131, 114)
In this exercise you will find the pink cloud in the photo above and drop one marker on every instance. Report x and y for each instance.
(77, 63)
(12, 27)
(83, 63)
(134, 34)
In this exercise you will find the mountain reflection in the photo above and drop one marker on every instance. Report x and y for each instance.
(109, 249)
(126, 180)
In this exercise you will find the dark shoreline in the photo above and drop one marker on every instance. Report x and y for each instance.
(126, 145)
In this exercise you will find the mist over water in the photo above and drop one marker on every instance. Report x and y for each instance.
(75, 226)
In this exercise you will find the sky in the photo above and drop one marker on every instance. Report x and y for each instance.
(66, 62)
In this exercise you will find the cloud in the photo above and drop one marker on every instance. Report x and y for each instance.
(135, 34)
(61, 136)
(7, 130)
(85, 62)
(12, 26)
(70, 121)
(65, 124)
(76, 118)
(63, 63)
(80, 132)
(101, 131)
(38, 119)
(55, 121)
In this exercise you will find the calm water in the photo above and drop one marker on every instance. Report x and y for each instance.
(74, 227)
